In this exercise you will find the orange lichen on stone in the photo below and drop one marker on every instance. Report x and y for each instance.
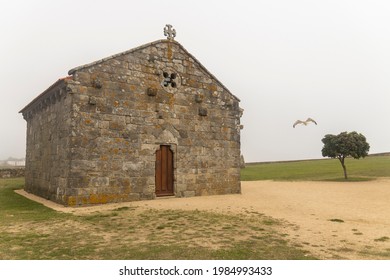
(71, 201)
(212, 87)
(104, 198)
(126, 183)
(98, 199)
(83, 90)
(169, 51)
(171, 99)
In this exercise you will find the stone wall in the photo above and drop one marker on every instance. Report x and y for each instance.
(99, 144)
(48, 154)
(12, 172)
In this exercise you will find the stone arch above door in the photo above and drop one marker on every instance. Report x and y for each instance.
(169, 135)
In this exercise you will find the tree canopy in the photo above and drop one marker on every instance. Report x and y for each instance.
(343, 145)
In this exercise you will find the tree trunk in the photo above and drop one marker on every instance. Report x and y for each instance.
(341, 159)
(345, 171)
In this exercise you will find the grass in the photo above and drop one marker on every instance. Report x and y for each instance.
(382, 239)
(365, 169)
(29, 230)
(337, 220)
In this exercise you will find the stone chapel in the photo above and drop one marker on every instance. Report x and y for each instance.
(145, 123)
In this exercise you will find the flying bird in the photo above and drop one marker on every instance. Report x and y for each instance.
(304, 122)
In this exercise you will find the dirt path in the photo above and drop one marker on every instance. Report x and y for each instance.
(360, 212)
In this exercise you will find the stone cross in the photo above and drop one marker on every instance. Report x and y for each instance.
(169, 32)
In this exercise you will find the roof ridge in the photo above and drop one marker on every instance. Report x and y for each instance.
(56, 83)
(71, 71)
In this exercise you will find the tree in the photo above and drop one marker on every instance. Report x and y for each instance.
(343, 145)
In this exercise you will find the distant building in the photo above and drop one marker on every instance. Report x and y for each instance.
(144, 123)
(14, 162)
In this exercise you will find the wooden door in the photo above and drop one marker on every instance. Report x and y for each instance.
(164, 171)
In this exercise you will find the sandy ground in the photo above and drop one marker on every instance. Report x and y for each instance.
(309, 207)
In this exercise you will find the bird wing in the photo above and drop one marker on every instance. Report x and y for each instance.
(311, 120)
(297, 122)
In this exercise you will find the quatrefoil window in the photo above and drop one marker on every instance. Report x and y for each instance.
(169, 79)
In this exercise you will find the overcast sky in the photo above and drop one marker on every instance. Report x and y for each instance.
(285, 60)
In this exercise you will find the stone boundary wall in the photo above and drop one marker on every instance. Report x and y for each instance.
(12, 172)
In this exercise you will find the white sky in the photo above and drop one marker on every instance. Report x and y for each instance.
(285, 60)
